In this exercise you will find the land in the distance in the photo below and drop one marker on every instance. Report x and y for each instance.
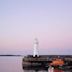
(10, 55)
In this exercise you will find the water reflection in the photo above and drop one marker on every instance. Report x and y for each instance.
(38, 69)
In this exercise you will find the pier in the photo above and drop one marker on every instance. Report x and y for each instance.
(44, 61)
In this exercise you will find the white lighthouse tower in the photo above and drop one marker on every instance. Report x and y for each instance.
(35, 51)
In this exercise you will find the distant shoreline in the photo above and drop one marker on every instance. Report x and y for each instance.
(32, 55)
(10, 55)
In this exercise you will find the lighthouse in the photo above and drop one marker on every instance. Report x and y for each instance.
(35, 48)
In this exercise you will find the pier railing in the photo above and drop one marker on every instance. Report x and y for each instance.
(37, 59)
(46, 58)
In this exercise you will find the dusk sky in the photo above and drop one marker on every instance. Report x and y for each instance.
(48, 20)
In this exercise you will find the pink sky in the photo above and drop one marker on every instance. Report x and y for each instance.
(49, 21)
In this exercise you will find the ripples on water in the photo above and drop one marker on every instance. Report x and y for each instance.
(14, 64)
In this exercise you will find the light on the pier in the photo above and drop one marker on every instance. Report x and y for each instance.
(35, 51)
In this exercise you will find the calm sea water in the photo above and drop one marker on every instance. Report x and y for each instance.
(14, 64)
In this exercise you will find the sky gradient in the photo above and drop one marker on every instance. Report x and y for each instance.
(48, 20)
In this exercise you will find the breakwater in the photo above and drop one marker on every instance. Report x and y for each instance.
(60, 61)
